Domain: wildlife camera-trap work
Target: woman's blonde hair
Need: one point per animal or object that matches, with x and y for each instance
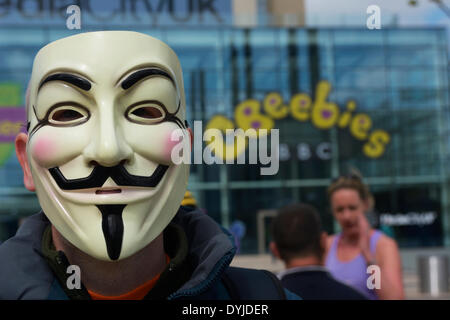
(352, 180)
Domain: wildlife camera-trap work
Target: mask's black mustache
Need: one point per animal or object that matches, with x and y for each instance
(100, 174)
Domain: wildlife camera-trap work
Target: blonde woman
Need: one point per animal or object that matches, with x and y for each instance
(358, 246)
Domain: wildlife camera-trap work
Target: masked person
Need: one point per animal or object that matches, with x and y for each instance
(106, 113)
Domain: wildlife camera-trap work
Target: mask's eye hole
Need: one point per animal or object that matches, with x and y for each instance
(68, 115)
(146, 113)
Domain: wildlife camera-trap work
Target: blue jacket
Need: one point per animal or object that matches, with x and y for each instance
(25, 274)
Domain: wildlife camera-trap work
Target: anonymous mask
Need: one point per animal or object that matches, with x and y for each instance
(102, 109)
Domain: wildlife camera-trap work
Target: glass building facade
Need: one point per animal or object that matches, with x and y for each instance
(341, 98)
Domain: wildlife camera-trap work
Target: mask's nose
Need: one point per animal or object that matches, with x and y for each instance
(108, 147)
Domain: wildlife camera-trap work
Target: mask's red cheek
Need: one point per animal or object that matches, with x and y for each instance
(173, 148)
(43, 150)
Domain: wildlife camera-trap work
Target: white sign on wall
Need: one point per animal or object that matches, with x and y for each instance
(304, 151)
(409, 218)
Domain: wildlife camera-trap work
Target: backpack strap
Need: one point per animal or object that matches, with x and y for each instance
(251, 284)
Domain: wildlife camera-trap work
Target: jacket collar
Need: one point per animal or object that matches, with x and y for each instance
(211, 249)
(202, 251)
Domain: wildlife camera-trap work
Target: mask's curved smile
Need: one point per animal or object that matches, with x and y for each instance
(108, 185)
(112, 223)
(100, 174)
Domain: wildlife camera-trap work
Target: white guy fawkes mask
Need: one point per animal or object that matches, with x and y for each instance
(102, 108)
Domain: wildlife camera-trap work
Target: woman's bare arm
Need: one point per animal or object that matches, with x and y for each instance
(389, 260)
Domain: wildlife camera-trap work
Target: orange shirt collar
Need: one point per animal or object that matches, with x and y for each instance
(136, 294)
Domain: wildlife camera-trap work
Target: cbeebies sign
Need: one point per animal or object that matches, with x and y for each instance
(323, 114)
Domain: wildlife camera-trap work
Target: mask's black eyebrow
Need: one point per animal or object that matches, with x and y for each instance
(73, 79)
(143, 73)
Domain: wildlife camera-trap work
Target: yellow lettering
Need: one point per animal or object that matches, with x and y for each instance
(222, 149)
(324, 114)
(247, 116)
(220, 122)
(360, 126)
(274, 107)
(5, 128)
(9, 128)
(300, 106)
(345, 118)
(376, 144)
(16, 126)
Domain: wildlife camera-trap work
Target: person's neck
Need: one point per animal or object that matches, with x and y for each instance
(112, 278)
(303, 262)
(351, 239)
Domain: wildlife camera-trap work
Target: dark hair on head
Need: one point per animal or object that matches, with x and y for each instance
(296, 231)
(354, 181)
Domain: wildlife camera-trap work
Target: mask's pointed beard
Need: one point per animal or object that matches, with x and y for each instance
(112, 226)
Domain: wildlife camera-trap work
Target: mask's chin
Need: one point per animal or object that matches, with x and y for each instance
(112, 226)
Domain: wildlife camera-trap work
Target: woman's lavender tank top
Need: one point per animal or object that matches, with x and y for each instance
(352, 272)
